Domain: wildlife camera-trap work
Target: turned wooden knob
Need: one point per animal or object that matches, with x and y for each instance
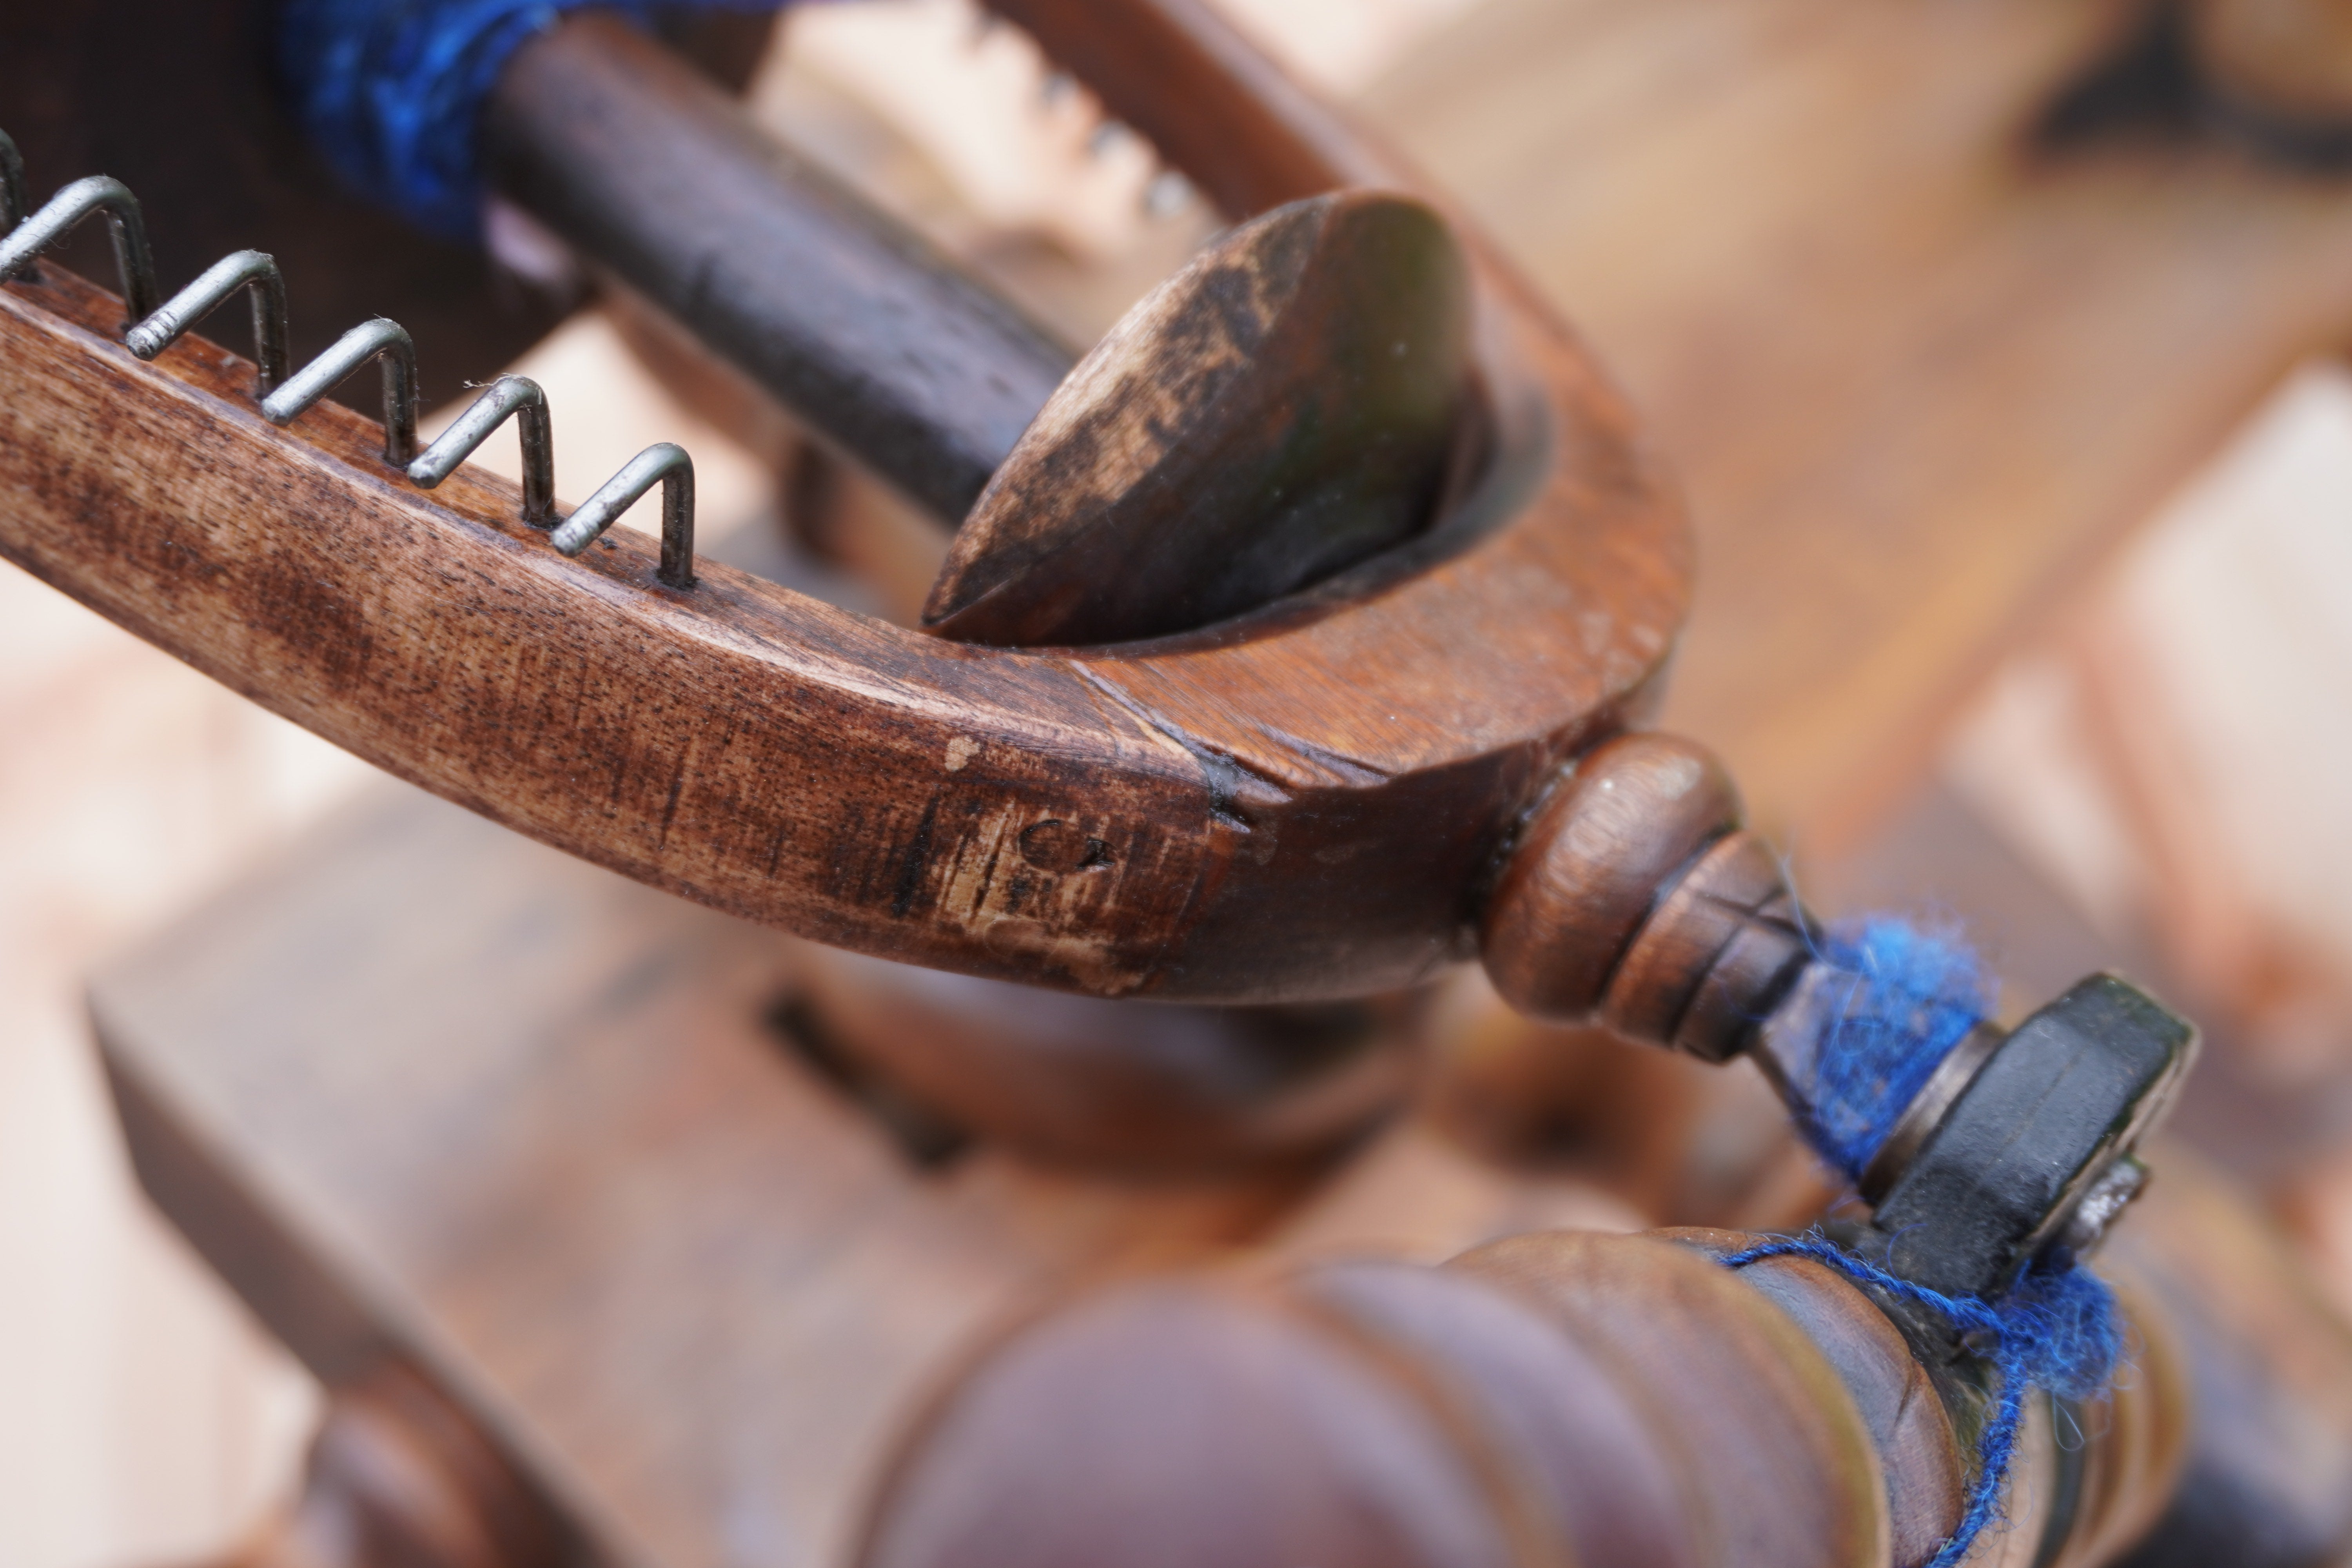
(1634, 896)
(1620, 823)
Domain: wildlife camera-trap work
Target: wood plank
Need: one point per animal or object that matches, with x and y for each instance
(1917, 373)
(431, 1091)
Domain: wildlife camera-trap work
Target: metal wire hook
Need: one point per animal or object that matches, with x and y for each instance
(96, 192)
(516, 394)
(663, 461)
(380, 339)
(243, 269)
(12, 184)
(154, 327)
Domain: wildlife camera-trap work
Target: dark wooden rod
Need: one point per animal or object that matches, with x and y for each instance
(877, 341)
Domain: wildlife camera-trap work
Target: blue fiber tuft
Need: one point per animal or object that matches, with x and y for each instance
(1910, 996)
(391, 91)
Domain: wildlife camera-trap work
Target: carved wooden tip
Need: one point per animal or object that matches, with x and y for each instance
(1714, 956)
(1290, 403)
(1592, 862)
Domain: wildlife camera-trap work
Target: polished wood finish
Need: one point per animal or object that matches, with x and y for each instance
(1287, 404)
(1774, 1463)
(430, 1095)
(1318, 1444)
(1601, 1400)
(1586, 869)
(1722, 946)
(1928, 1470)
(1296, 806)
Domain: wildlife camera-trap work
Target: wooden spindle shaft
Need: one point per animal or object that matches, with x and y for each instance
(1620, 1400)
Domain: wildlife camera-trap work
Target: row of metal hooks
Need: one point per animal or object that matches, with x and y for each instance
(154, 327)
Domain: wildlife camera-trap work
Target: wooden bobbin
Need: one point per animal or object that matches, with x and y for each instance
(1570, 1397)
(1605, 1401)
(1774, 1458)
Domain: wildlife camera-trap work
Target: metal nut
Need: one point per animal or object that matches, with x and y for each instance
(2033, 1153)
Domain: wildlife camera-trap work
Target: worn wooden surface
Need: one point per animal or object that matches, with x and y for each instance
(431, 1093)
(1288, 404)
(1298, 805)
(1375, 1414)
(1915, 372)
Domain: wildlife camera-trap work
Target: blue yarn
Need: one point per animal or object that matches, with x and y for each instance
(391, 91)
(1910, 997)
(1900, 1000)
(2055, 1330)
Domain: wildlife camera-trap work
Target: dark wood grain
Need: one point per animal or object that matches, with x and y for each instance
(181, 104)
(871, 336)
(1586, 869)
(1290, 403)
(1298, 806)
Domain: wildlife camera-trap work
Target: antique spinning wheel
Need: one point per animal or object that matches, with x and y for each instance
(1291, 649)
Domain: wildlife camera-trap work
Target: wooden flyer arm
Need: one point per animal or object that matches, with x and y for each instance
(1304, 802)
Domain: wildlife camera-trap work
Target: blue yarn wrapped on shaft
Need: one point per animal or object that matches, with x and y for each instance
(1897, 1000)
(1908, 996)
(391, 91)
(2054, 1331)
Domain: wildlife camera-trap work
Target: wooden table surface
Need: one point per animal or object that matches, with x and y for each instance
(1918, 372)
(435, 1091)
(428, 1092)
